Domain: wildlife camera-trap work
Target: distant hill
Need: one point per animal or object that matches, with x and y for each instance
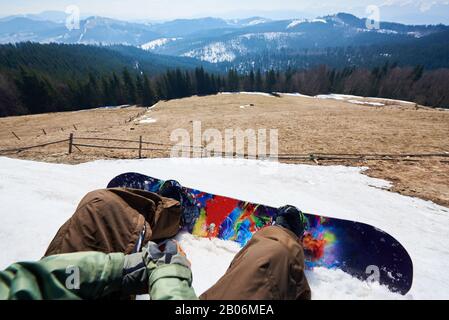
(242, 43)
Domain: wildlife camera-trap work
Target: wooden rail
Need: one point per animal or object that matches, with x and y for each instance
(140, 147)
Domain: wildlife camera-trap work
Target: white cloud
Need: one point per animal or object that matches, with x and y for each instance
(426, 6)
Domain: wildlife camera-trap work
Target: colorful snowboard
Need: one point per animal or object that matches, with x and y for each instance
(356, 248)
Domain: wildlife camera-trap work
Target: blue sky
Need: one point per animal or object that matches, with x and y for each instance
(421, 11)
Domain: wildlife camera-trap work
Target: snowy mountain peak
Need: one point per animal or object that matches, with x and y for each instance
(295, 23)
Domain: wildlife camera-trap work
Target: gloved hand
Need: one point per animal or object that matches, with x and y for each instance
(171, 252)
(139, 266)
(135, 275)
(170, 273)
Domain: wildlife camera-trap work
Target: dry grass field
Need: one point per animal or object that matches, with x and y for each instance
(305, 125)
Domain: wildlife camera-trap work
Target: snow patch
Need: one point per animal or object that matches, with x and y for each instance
(147, 120)
(249, 93)
(392, 100)
(415, 34)
(350, 98)
(376, 104)
(386, 31)
(294, 23)
(326, 286)
(271, 36)
(332, 96)
(157, 43)
(318, 21)
(214, 53)
(294, 95)
(256, 22)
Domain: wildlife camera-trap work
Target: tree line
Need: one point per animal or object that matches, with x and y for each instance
(28, 91)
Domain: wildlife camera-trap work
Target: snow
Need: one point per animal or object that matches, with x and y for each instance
(256, 22)
(37, 198)
(157, 43)
(214, 53)
(333, 96)
(295, 95)
(271, 36)
(376, 104)
(229, 50)
(386, 31)
(147, 120)
(250, 93)
(318, 21)
(347, 97)
(392, 100)
(415, 34)
(123, 106)
(294, 23)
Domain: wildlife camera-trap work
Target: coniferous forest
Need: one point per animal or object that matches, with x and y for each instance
(39, 78)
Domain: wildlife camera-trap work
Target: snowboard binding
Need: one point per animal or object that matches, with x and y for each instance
(190, 212)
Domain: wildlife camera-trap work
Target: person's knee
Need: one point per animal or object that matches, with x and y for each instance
(94, 204)
(96, 195)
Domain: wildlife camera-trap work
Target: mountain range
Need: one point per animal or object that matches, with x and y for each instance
(237, 43)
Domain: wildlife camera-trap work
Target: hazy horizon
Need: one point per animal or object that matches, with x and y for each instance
(403, 11)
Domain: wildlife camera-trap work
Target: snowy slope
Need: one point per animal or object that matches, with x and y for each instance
(36, 198)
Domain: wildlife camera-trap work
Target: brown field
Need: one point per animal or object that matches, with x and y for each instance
(305, 125)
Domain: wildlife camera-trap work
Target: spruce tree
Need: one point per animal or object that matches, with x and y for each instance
(148, 96)
(130, 87)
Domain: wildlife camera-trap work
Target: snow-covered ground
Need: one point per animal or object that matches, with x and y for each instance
(37, 198)
(332, 96)
(157, 43)
(250, 93)
(146, 120)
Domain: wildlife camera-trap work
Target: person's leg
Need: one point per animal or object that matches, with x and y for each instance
(113, 220)
(269, 267)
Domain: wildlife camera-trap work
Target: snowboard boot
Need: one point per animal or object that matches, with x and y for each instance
(292, 219)
(190, 212)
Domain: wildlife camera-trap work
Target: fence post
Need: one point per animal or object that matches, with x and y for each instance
(140, 147)
(70, 143)
(15, 135)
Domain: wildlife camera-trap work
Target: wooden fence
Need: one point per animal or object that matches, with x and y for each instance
(141, 145)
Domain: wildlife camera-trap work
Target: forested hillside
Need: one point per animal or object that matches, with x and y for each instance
(431, 52)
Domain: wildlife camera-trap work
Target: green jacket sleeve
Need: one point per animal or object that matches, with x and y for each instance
(84, 275)
(171, 282)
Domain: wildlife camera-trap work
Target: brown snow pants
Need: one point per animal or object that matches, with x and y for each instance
(112, 220)
(270, 266)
